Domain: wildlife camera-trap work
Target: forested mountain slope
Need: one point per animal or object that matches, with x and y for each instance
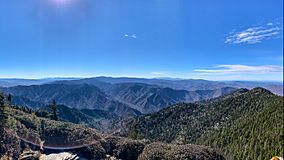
(150, 98)
(122, 99)
(24, 135)
(245, 124)
(82, 96)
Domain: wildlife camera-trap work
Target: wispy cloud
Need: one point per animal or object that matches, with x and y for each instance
(241, 70)
(158, 73)
(130, 36)
(256, 34)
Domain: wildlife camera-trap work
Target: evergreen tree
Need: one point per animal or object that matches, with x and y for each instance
(54, 110)
(42, 128)
(9, 98)
(3, 116)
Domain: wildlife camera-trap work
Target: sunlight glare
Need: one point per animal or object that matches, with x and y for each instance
(62, 2)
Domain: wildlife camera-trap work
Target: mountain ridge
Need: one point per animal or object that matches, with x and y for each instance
(75, 96)
(122, 98)
(180, 84)
(233, 119)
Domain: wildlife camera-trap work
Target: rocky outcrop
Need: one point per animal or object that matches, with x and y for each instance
(36, 155)
(123, 148)
(176, 152)
(60, 156)
(30, 155)
(94, 151)
(126, 149)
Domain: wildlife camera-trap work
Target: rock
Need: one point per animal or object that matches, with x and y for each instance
(30, 155)
(129, 150)
(60, 156)
(276, 158)
(94, 152)
(157, 151)
(6, 157)
(36, 155)
(123, 148)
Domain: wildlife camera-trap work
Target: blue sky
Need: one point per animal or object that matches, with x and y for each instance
(216, 40)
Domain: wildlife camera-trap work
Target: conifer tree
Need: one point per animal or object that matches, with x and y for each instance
(3, 116)
(9, 98)
(54, 110)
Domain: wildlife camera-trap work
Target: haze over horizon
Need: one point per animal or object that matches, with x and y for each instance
(223, 40)
(158, 78)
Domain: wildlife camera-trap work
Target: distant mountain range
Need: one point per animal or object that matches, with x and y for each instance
(148, 98)
(121, 96)
(243, 125)
(74, 96)
(122, 99)
(11, 82)
(179, 84)
(238, 122)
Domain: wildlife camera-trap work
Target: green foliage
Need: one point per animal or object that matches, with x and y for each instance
(42, 113)
(134, 134)
(12, 123)
(27, 122)
(9, 98)
(29, 126)
(246, 125)
(89, 117)
(42, 128)
(256, 135)
(35, 120)
(54, 110)
(3, 114)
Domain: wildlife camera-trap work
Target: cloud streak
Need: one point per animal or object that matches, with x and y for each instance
(241, 70)
(256, 34)
(130, 36)
(158, 73)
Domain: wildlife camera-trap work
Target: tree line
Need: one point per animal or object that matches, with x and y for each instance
(6, 101)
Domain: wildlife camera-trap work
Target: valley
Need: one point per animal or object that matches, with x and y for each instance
(135, 120)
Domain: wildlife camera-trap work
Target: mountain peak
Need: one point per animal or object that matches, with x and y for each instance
(260, 90)
(241, 90)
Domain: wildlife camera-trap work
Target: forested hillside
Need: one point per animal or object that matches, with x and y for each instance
(125, 99)
(245, 124)
(24, 135)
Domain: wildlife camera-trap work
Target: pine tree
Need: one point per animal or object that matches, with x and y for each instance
(9, 99)
(3, 116)
(42, 128)
(54, 110)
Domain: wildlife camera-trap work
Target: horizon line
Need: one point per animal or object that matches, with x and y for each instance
(138, 77)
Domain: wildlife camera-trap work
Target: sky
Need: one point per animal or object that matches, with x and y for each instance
(204, 39)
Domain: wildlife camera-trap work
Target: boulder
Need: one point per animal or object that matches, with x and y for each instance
(123, 148)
